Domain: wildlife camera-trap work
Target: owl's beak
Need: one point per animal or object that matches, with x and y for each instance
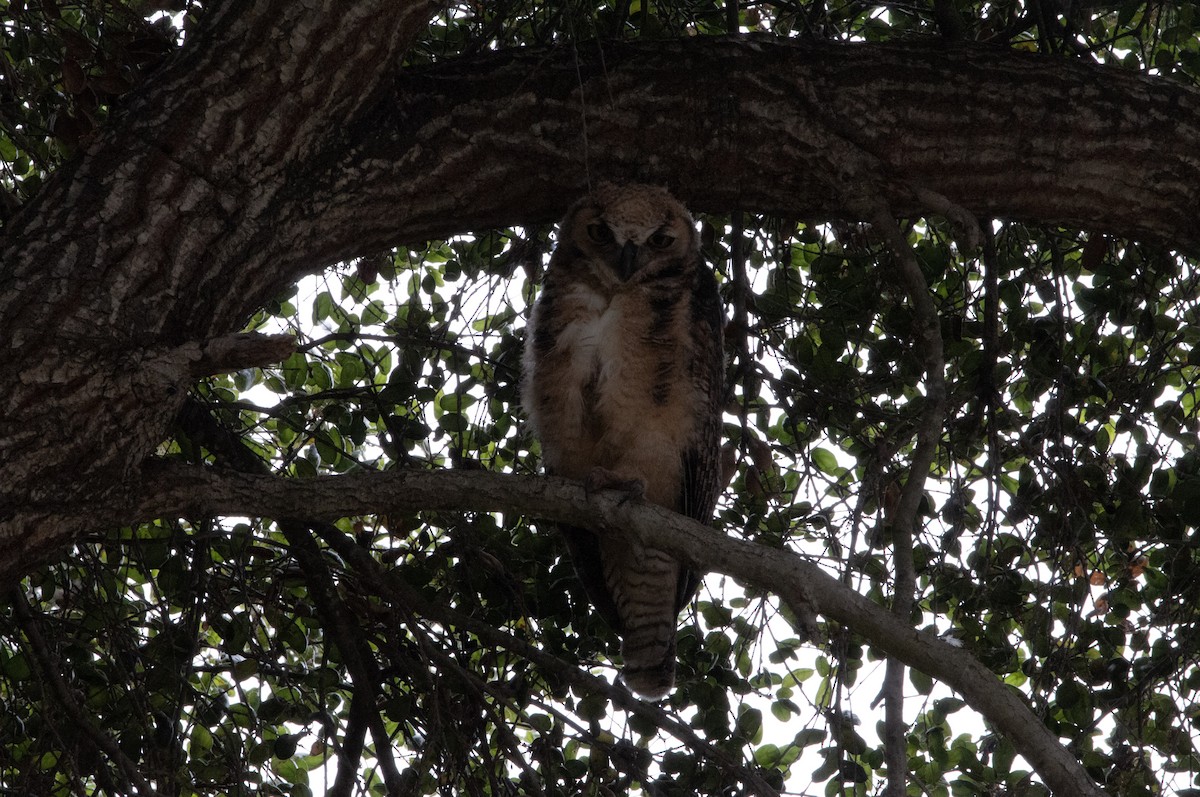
(628, 260)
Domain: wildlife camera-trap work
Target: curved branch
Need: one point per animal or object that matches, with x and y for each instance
(170, 490)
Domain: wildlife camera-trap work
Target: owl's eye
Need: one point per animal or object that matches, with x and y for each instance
(599, 233)
(660, 240)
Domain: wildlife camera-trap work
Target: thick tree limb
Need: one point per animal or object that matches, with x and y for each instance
(172, 490)
(799, 129)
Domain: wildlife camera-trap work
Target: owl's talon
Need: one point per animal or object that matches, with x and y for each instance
(603, 479)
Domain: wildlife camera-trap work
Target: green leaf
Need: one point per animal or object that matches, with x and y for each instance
(810, 736)
(767, 755)
(920, 681)
(323, 307)
(16, 667)
(783, 710)
(825, 461)
(749, 724)
(200, 742)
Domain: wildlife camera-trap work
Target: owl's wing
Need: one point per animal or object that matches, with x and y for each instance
(702, 458)
(698, 485)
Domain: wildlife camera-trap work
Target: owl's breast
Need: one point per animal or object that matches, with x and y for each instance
(584, 339)
(620, 374)
(613, 350)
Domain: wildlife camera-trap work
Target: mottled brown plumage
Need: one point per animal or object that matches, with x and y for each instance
(624, 374)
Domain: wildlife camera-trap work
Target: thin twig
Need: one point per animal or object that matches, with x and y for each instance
(342, 625)
(51, 671)
(987, 394)
(904, 519)
(478, 687)
(740, 329)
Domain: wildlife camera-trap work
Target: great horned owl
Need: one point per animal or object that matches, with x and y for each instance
(624, 376)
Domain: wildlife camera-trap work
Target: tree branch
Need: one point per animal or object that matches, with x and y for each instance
(338, 621)
(905, 518)
(347, 634)
(172, 490)
(994, 132)
(238, 351)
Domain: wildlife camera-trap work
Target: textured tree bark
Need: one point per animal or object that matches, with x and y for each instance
(799, 129)
(116, 278)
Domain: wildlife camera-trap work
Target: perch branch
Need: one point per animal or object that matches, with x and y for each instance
(173, 490)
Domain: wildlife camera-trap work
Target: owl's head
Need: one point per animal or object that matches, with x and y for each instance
(632, 230)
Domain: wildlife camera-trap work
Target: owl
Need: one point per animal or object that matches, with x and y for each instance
(623, 384)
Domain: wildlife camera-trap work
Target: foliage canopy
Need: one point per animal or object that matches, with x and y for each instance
(454, 652)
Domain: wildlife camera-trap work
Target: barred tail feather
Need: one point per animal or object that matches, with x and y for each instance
(650, 679)
(644, 583)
